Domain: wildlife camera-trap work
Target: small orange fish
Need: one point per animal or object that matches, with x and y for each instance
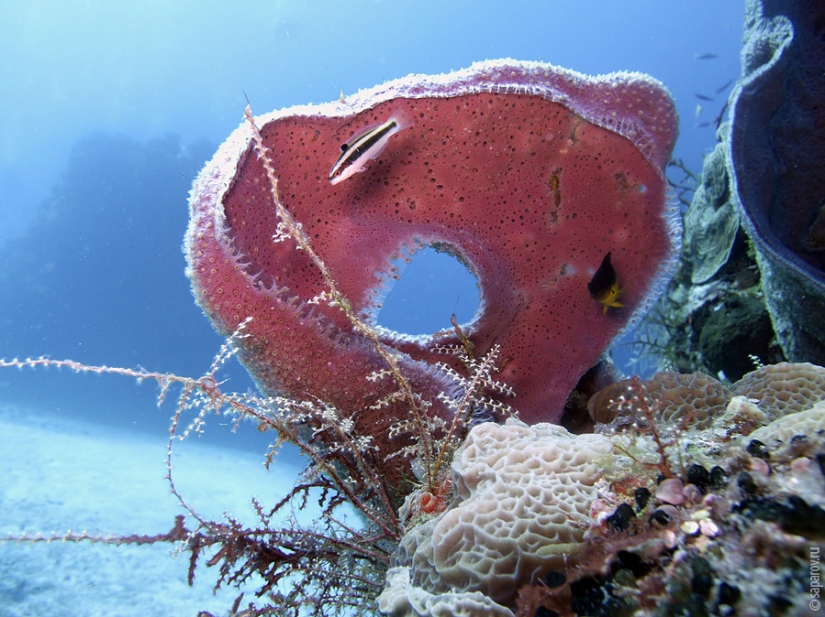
(367, 145)
(604, 286)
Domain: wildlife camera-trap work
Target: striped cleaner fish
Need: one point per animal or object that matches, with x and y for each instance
(367, 145)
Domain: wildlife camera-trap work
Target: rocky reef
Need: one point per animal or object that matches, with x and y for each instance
(692, 499)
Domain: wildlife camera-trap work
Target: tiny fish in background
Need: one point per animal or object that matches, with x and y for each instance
(718, 120)
(367, 145)
(703, 97)
(721, 89)
(706, 56)
(604, 286)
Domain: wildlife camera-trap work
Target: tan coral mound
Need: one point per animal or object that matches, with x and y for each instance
(523, 505)
(697, 399)
(784, 388)
(786, 427)
(668, 395)
(701, 393)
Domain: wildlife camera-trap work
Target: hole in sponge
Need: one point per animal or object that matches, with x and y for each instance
(432, 287)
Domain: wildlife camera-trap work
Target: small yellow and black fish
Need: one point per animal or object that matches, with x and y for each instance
(367, 145)
(604, 286)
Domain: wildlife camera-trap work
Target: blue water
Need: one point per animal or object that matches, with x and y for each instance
(108, 111)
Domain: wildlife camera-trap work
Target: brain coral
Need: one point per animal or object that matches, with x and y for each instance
(784, 388)
(698, 399)
(527, 495)
(523, 504)
(670, 395)
(402, 599)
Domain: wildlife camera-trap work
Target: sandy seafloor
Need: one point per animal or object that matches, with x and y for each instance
(57, 475)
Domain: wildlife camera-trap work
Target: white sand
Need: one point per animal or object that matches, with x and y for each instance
(56, 476)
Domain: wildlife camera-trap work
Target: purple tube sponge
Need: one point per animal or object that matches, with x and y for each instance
(776, 160)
